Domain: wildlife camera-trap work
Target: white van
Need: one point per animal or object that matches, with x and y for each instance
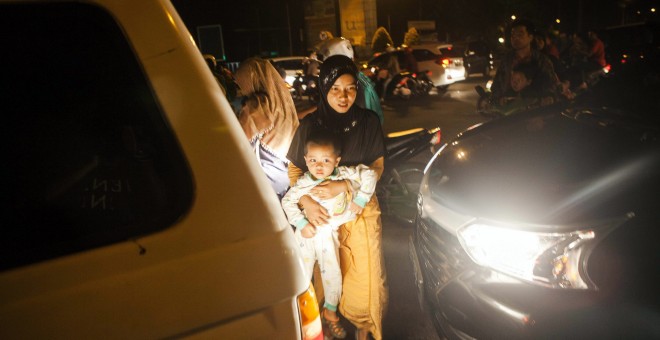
(133, 206)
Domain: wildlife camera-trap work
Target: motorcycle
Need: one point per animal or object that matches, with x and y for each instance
(404, 85)
(399, 185)
(424, 83)
(306, 85)
(490, 110)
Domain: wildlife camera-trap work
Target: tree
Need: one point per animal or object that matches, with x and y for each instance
(381, 40)
(411, 37)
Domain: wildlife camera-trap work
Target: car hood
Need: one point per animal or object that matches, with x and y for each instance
(554, 165)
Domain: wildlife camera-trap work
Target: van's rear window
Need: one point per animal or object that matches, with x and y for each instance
(89, 159)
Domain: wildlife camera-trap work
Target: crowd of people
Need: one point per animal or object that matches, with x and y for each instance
(324, 163)
(536, 72)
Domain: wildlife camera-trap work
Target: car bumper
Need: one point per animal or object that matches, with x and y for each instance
(467, 301)
(450, 76)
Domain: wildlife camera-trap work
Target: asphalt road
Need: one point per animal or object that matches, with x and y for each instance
(453, 111)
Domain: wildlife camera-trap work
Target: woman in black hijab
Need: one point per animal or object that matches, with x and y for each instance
(364, 297)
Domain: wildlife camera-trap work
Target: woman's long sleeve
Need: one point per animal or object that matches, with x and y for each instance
(294, 173)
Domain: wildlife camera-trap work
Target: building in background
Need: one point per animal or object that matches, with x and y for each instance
(354, 20)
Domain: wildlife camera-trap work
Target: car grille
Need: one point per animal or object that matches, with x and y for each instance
(440, 254)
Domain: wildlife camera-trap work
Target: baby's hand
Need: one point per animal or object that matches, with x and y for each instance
(354, 208)
(308, 231)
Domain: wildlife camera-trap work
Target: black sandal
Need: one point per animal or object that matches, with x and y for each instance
(335, 327)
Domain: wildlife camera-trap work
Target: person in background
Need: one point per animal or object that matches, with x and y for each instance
(596, 54)
(544, 44)
(225, 79)
(575, 60)
(213, 66)
(545, 80)
(523, 94)
(391, 69)
(549, 46)
(409, 61)
(320, 243)
(268, 118)
(364, 297)
(312, 64)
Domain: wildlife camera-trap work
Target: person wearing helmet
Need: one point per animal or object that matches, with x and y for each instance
(213, 66)
(367, 96)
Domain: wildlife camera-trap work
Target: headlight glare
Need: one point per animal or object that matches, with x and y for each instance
(549, 259)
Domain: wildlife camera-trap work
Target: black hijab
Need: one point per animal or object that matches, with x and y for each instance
(331, 69)
(359, 129)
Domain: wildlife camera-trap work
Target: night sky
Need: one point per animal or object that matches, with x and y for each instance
(275, 27)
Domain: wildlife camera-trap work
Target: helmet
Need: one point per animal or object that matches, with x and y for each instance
(334, 46)
(210, 60)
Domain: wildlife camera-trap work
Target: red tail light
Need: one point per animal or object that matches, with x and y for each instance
(444, 62)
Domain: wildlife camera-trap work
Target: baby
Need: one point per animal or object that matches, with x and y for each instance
(320, 242)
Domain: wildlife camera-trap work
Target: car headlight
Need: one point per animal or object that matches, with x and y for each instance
(549, 259)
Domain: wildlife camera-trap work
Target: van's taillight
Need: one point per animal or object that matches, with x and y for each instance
(310, 315)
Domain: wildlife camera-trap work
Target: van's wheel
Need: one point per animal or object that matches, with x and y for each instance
(442, 89)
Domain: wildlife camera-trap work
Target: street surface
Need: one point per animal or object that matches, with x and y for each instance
(453, 111)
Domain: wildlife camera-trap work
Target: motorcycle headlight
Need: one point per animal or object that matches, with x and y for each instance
(550, 259)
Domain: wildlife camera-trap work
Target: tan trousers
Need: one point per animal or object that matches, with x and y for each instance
(365, 295)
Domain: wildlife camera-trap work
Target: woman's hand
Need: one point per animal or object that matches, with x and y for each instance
(316, 214)
(329, 189)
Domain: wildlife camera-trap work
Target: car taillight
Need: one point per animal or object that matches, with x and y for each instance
(444, 62)
(310, 315)
(437, 135)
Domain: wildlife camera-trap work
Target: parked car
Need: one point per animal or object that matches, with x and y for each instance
(133, 205)
(477, 57)
(291, 66)
(442, 71)
(544, 224)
